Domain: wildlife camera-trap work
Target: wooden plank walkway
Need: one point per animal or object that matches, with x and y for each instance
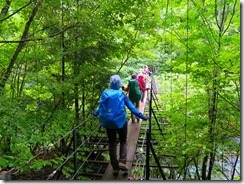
(132, 138)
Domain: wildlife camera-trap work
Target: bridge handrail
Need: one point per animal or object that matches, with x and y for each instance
(83, 142)
(15, 171)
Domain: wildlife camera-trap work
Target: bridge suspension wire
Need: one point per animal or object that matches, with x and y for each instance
(86, 159)
(69, 132)
(46, 149)
(140, 157)
(143, 145)
(141, 154)
(67, 159)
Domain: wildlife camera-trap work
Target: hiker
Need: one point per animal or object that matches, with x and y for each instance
(134, 94)
(148, 70)
(112, 115)
(142, 85)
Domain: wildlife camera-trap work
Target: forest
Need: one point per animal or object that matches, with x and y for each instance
(57, 56)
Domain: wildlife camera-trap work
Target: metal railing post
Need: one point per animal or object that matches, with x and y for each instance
(147, 156)
(75, 158)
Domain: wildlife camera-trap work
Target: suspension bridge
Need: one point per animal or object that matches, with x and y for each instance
(142, 159)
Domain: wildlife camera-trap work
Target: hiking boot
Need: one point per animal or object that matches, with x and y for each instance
(123, 167)
(115, 172)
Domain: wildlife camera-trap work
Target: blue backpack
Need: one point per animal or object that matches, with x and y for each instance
(112, 112)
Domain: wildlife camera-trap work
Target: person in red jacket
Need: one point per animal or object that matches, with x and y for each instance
(142, 85)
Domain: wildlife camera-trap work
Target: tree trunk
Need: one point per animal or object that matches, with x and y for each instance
(63, 105)
(76, 73)
(234, 167)
(83, 99)
(204, 167)
(76, 85)
(6, 75)
(196, 166)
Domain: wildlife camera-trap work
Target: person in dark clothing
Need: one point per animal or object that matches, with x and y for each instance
(115, 122)
(134, 93)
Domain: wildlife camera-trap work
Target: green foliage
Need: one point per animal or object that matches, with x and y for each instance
(73, 47)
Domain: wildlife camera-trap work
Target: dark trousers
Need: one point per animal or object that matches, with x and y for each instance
(142, 95)
(137, 105)
(122, 132)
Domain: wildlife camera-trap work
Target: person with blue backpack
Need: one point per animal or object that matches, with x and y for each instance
(112, 116)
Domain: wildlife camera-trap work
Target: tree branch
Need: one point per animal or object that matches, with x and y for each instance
(216, 14)
(37, 39)
(234, 167)
(16, 12)
(19, 41)
(6, 8)
(204, 20)
(233, 13)
(128, 55)
(229, 102)
(19, 48)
